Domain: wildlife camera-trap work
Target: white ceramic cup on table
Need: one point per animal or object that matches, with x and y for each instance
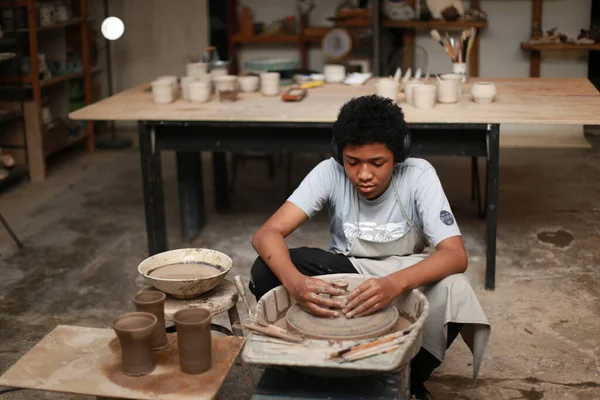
(249, 83)
(185, 86)
(269, 83)
(456, 77)
(162, 92)
(198, 69)
(199, 91)
(386, 87)
(173, 79)
(447, 91)
(334, 73)
(409, 90)
(424, 96)
(483, 92)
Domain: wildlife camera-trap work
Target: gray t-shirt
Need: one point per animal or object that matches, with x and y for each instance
(380, 220)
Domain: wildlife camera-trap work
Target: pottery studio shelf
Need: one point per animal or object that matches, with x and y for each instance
(559, 46)
(435, 24)
(51, 81)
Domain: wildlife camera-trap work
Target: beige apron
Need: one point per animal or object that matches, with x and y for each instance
(450, 300)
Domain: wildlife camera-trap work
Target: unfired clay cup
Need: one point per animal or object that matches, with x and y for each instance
(457, 77)
(194, 339)
(198, 69)
(153, 302)
(424, 96)
(483, 92)
(135, 331)
(174, 82)
(185, 86)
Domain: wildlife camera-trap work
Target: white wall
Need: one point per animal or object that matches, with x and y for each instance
(159, 37)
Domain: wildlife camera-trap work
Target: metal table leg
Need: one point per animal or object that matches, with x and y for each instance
(221, 181)
(191, 193)
(154, 202)
(10, 231)
(493, 160)
(234, 319)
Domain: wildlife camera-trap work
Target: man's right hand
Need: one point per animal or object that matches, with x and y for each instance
(307, 291)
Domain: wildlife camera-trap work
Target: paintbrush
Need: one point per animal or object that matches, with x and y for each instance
(380, 349)
(370, 343)
(437, 37)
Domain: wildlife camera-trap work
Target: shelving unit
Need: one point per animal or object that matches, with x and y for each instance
(12, 126)
(44, 141)
(535, 48)
(407, 29)
(411, 27)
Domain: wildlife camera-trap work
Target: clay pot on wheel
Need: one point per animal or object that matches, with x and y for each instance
(134, 331)
(194, 339)
(153, 302)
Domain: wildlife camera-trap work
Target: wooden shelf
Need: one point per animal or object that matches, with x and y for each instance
(9, 116)
(69, 141)
(8, 42)
(18, 3)
(48, 82)
(70, 22)
(435, 24)
(558, 46)
(266, 39)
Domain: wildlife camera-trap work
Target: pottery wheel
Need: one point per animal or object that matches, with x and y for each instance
(342, 328)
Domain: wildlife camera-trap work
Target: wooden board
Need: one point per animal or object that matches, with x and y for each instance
(87, 361)
(519, 101)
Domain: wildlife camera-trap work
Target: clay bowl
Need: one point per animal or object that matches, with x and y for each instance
(185, 273)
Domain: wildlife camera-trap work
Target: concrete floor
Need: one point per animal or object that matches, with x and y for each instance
(84, 235)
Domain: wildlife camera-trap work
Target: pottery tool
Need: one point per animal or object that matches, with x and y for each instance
(373, 343)
(310, 85)
(398, 74)
(418, 74)
(380, 349)
(406, 77)
(262, 326)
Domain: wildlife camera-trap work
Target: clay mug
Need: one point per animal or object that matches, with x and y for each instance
(194, 339)
(249, 83)
(197, 70)
(135, 331)
(456, 77)
(185, 86)
(153, 302)
(424, 96)
(174, 80)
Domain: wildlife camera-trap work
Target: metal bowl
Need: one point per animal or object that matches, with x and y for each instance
(186, 288)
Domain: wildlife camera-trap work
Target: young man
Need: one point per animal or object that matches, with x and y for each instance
(384, 209)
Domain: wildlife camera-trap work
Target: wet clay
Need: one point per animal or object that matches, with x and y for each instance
(194, 339)
(342, 328)
(134, 331)
(185, 271)
(153, 302)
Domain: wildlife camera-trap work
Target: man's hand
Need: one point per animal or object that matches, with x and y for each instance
(307, 292)
(371, 296)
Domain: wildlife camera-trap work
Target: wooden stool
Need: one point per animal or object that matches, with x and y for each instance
(285, 384)
(222, 298)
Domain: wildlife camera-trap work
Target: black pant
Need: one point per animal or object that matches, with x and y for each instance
(311, 262)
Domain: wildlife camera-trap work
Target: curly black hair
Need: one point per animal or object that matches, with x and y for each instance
(372, 119)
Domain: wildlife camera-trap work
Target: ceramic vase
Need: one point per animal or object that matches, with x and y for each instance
(153, 302)
(135, 331)
(194, 339)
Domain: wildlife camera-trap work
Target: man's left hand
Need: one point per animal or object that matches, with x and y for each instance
(371, 296)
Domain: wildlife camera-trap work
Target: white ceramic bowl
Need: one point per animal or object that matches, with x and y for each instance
(186, 288)
(199, 91)
(483, 92)
(225, 82)
(249, 83)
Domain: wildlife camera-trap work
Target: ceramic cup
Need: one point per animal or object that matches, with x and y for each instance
(424, 96)
(185, 85)
(198, 69)
(334, 73)
(408, 90)
(199, 91)
(483, 92)
(447, 91)
(386, 87)
(162, 92)
(249, 83)
(460, 69)
(218, 72)
(269, 83)
(153, 302)
(457, 77)
(174, 79)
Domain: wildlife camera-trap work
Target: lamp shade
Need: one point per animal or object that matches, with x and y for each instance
(112, 28)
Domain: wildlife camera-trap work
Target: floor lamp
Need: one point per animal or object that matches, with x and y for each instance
(112, 29)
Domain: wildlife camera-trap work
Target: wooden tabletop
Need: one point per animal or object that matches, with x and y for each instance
(522, 101)
(88, 361)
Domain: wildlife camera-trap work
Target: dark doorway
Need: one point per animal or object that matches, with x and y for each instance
(218, 27)
(594, 56)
